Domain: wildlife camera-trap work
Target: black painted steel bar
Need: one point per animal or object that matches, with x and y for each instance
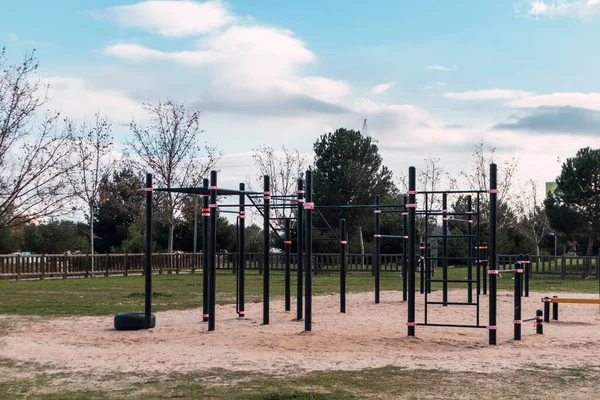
(308, 265)
(546, 309)
(451, 191)
(212, 247)
(205, 253)
(266, 247)
(527, 275)
(148, 255)
(470, 250)
(300, 249)
(492, 254)
(376, 256)
(422, 267)
(404, 255)
(454, 326)
(411, 205)
(287, 288)
(242, 255)
(343, 263)
(517, 301)
(445, 247)
(539, 322)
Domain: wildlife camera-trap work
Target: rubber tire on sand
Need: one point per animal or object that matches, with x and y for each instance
(132, 321)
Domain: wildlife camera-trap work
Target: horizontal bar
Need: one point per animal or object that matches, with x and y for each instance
(453, 325)
(451, 303)
(447, 213)
(573, 301)
(529, 319)
(362, 206)
(451, 258)
(451, 191)
(451, 236)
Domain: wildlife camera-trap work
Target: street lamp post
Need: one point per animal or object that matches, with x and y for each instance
(554, 236)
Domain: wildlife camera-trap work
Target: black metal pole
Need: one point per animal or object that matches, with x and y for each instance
(212, 246)
(445, 244)
(422, 266)
(485, 265)
(517, 300)
(266, 247)
(242, 253)
(148, 258)
(527, 273)
(470, 251)
(429, 270)
(299, 249)
(539, 322)
(308, 205)
(343, 260)
(376, 256)
(555, 309)
(205, 253)
(493, 269)
(404, 254)
(288, 243)
(411, 205)
(546, 309)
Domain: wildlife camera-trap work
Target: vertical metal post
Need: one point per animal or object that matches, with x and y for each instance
(343, 261)
(195, 247)
(404, 246)
(376, 256)
(555, 310)
(445, 244)
(148, 258)
(546, 309)
(517, 300)
(493, 269)
(242, 253)
(422, 266)
(527, 273)
(299, 248)
(212, 247)
(470, 250)
(429, 268)
(411, 205)
(288, 243)
(539, 322)
(205, 253)
(485, 265)
(308, 205)
(266, 246)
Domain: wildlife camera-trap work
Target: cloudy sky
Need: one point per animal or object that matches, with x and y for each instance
(432, 77)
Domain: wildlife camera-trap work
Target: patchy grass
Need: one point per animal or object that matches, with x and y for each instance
(104, 296)
(387, 382)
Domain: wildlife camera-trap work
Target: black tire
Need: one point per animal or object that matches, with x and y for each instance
(133, 321)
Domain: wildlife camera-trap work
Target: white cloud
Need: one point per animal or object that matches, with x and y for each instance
(382, 88)
(76, 99)
(580, 9)
(431, 86)
(561, 99)
(439, 68)
(490, 94)
(171, 18)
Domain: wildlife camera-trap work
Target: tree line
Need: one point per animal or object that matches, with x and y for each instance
(52, 167)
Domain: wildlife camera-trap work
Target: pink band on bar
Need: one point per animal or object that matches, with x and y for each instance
(242, 212)
(444, 211)
(300, 192)
(411, 324)
(470, 221)
(404, 213)
(343, 242)
(412, 192)
(309, 206)
(213, 187)
(376, 235)
(242, 216)
(444, 218)
(482, 261)
(242, 313)
(300, 200)
(492, 327)
(206, 214)
(213, 206)
(493, 272)
(422, 247)
(377, 211)
(204, 315)
(547, 300)
(267, 193)
(519, 271)
(493, 191)
(525, 262)
(517, 321)
(147, 189)
(411, 205)
(405, 237)
(267, 197)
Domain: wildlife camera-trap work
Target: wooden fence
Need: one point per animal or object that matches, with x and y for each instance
(42, 266)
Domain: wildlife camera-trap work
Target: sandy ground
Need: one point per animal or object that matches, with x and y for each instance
(368, 335)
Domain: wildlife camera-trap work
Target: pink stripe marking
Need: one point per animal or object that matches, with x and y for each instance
(412, 192)
(411, 205)
(377, 235)
(147, 189)
(493, 191)
(493, 272)
(343, 242)
(517, 321)
(213, 187)
(309, 206)
(411, 324)
(492, 327)
(213, 206)
(377, 211)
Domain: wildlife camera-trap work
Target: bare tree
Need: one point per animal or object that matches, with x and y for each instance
(34, 153)
(478, 179)
(169, 146)
(92, 145)
(284, 168)
(534, 224)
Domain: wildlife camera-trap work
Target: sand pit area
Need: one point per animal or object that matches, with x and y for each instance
(368, 335)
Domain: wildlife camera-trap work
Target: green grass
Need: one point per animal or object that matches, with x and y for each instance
(104, 296)
(388, 382)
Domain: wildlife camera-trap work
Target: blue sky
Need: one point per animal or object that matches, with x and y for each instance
(431, 77)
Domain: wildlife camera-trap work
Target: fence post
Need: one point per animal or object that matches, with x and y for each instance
(126, 269)
(65, 264)
(107, 273)
(563, 267)
(42, 266)
(18, 264)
